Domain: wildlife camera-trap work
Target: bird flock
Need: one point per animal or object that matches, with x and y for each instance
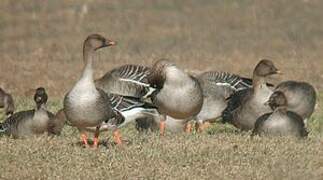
(165, 97)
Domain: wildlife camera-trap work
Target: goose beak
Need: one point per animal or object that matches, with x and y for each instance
(278, 72)
(110, 43)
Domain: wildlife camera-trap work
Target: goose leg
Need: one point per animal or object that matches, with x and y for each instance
(96, 137)
(117, 136)
(188, 127)
(162, 125)
(84, 139)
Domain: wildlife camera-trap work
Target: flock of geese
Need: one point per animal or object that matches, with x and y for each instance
(167, 96)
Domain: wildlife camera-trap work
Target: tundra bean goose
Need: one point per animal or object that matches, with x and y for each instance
(86, 106)
(6, 102)
(301, 97)
(245, 106)
(178, 94)
(31, 122)
(280, 122)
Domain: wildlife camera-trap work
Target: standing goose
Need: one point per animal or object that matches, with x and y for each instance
(217, 87)
(32, 122)
(245, 106)
(86, 106)
(280, 122)
(178, 94)
(6, 102)
(301, 97)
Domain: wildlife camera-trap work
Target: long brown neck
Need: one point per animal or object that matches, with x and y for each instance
(88, 53)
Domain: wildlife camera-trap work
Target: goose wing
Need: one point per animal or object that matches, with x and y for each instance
(232, 81)
(234, 102)
(128, 80)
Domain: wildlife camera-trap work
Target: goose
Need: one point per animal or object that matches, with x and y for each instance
(86, 106)
(217, 87)
(301, 97)
(281, 121)
(31, 122)
(178, 94)
(245, 106)
(6, 102)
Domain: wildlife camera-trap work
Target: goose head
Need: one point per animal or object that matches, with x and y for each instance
(97, 41)
(9, 105)
(277, 100)
(265, 68)
(40, 97)
(7, 102)
(157, 77)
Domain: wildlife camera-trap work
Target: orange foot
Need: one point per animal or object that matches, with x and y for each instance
(117, 137)
(84, 139)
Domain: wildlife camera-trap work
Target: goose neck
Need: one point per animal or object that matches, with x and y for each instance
(88, 61)
(258, 81)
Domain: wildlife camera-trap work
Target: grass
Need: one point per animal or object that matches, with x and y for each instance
(219, 153)
(41, 46)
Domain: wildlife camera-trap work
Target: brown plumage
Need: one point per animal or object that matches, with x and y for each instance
(6, 102)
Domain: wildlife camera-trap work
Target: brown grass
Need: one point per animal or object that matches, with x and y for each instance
(41, 45)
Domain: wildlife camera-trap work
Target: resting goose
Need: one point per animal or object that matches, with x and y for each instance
(178, 94)
(31, 122)
(86, 106)
(6, 102)
(217, 87)
(245, 106)
(280, 122)
(301, 97)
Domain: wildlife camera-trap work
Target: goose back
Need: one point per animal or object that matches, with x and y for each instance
(301, 97)
(280, 123)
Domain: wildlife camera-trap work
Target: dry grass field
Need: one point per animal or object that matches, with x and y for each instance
(41, 43)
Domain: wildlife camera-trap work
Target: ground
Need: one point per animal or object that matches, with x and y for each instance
(41, 45)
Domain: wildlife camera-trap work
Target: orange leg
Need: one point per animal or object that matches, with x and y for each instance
(162, 125)
(117, 136)
(188, 127)
(96, 137)
(201, 126)
(84, 139)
